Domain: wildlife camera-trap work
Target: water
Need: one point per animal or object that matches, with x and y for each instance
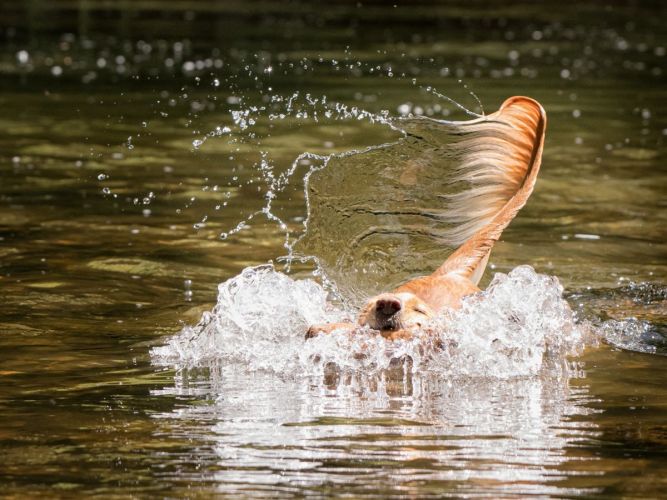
(512, 329)
(152, 162)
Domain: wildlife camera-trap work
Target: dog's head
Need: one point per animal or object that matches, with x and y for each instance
(395, 311)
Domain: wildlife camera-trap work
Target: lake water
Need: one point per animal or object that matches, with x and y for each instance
(157, 157)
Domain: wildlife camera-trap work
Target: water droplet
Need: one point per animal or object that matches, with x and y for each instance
(404, 109)
(22, 56)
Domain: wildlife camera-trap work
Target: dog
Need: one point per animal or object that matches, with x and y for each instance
(500, 156)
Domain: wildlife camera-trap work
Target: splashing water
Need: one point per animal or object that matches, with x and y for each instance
(638, 312)
(635, 335)
(519, 326)
(516, 328)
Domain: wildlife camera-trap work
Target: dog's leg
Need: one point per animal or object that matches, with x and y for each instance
(397, 334)
(329, 328)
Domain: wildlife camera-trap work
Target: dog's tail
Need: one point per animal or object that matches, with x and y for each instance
(500, 157)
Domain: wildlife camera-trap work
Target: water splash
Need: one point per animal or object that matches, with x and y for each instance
(514, 352)
(520, 326)
(632, 317)
(635, 335)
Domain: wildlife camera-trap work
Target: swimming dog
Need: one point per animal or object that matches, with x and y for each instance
(500, 157)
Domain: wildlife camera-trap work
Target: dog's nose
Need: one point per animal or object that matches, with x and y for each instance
(388, 306)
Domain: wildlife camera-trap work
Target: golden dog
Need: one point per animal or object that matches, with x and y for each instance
(500, 158)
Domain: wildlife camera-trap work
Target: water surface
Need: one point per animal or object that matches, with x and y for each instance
(135, 138)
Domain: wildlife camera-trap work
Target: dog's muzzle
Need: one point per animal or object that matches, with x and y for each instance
(388, 313)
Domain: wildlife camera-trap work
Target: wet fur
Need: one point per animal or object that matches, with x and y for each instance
(500, 156)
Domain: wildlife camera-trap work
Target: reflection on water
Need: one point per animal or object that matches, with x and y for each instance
(136, 134)
(432, 434)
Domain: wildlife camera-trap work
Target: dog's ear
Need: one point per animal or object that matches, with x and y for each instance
(500, 158)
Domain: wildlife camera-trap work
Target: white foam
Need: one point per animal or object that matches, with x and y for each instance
(516, 328)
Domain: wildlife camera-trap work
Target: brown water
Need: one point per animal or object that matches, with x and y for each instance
(110, 223)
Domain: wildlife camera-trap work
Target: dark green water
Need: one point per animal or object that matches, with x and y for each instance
(110, 223)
